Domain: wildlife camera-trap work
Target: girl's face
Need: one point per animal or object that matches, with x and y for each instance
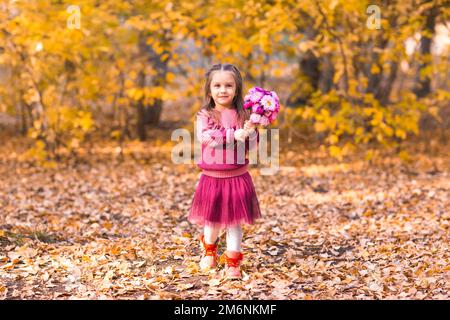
(223, 89)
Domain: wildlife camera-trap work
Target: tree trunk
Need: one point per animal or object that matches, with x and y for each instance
(308, 69)
(140, 122)
(309, 64)
(422, 85)
(374, 78)
(140, 109)
(386, 85)
(23, 117)
(326, 74)
(153, 113)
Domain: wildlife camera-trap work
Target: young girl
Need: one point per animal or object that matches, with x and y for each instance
(225, 196)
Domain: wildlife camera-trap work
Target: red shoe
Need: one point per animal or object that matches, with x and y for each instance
(209, 260)
(232, 270)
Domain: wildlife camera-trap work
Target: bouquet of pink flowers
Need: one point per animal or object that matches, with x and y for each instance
(265, 106)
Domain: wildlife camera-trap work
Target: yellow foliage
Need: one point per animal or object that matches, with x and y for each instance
(404, 156)
(375, 69)
(104, 62)
(335, 152)
(400, 133)
(320, 126)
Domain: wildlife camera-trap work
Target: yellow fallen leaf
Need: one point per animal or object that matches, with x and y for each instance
(115, 250)
(214, 282)
(280, 284)
(185, 286)
(45, 276)
(375, 287)
(8, 266)
(346, 280)
(222, 259)
(412, 291)
(192, 267)
(168, 270)
(365, 254)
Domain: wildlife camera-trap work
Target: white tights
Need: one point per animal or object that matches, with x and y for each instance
(234, 236)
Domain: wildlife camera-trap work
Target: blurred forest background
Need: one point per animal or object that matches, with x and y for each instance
(350, 74)
(93, 207)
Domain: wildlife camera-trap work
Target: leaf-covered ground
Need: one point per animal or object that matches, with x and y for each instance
(111, 229)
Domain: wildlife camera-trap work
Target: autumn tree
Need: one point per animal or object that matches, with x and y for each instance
(341, 68)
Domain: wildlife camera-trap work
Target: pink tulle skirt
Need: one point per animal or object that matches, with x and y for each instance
(223, 202)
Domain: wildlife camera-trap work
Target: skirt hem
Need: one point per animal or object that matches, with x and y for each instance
(222, 225)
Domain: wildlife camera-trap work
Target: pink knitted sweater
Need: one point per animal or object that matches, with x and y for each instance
(219, 145)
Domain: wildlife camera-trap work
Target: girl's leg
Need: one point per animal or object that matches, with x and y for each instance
(234, 238)
(234, 255)
(211, 234)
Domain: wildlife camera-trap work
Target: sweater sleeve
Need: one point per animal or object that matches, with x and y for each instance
(210, 134)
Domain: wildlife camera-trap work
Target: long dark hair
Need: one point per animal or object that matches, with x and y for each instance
(238, 100)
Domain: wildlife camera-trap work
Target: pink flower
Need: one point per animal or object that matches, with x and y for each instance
(248, 104)
(273, 116)
(268, 102)
(256, 96)
(255, 118)
(260, 110)
(256, 108)
(253, 90)
(264, 121)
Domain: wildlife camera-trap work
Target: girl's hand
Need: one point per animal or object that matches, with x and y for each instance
(248, 125)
